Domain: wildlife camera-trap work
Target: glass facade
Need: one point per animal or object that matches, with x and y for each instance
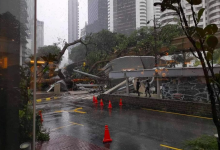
(16, 39)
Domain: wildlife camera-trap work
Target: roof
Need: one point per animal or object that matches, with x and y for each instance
(165, 72)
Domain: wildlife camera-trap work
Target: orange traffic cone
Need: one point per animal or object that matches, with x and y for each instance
(110, 105)
(107, 135)
(96, 101)
(101, 103)
(41, 117)
(120, 103)
(93, 99)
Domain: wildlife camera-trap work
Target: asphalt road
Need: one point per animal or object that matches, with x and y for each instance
(131, 128)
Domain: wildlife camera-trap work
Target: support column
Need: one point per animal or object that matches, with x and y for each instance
(127, 86)
(158, 88)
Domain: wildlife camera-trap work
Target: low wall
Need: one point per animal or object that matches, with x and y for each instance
(184, 107)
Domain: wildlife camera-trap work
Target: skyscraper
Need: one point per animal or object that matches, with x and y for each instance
(125, 16)
(73, 21)
(211, 14)
(40, 34)
(97, 16)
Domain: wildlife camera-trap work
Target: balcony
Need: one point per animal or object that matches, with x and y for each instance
(214, 17)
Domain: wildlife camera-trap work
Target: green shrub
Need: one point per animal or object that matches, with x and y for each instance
(26, 113)
(26, 127)
(43, 136)
(204, 142)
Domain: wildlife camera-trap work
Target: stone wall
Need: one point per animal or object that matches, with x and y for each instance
(185, 89)
(184, 107)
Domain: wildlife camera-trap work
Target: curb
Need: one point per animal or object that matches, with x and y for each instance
(46, 99)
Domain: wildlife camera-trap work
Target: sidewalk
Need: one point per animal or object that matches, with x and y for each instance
(67, 143)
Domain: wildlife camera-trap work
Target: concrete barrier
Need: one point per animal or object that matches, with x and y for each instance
(184, 107)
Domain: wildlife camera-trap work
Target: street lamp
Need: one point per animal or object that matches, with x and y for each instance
(155, 55)
(35, 75)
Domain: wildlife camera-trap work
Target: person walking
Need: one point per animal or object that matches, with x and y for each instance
(138, 84)
(147, 88)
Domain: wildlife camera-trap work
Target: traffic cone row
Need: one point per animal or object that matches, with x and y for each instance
(95, 101)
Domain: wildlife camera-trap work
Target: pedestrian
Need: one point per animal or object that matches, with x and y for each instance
(147, 88)
(138, 86)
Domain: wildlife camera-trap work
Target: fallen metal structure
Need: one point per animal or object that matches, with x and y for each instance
(87, 74)
(63, 86)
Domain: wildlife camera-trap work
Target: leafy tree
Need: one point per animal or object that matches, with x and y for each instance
(100, 48)
(149, 40)
(49, 53)
(197, 62)
(78, 53)
(204, 44)
(216, 56)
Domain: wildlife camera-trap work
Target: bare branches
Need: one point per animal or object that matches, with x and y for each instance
(66, 46)
(191, 50)
(193, 14)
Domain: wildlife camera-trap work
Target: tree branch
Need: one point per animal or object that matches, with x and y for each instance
(98, 62)
(193, 14)
(66, 46)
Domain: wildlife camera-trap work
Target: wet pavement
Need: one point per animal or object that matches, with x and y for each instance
(131, 128)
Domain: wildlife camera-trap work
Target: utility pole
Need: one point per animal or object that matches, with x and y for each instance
(157, 89)
(35, 74)
(155, 40)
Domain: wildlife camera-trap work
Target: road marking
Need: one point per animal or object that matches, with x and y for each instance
(76, 110)
(59, 111)
(177, 113)
(72, 123)
(169, 147)
(39, 100)
(77, 123)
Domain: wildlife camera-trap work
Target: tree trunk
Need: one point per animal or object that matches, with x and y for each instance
(211, 96)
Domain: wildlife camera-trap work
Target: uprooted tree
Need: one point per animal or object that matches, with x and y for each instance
(204, 43)
(104, 46)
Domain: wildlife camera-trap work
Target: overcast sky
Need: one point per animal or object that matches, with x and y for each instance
(54, 14)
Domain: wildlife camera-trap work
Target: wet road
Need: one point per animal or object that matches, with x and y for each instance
(131, 128)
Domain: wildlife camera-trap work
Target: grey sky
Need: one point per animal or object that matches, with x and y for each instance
(54, 14)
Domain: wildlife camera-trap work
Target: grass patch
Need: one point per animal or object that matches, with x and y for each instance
(204, 142)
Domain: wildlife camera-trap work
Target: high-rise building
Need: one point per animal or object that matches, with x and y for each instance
(211, 14)
(153, 11)
(40, 34)
(125, 16)
(73, 21)
(83, 31)
(97, 16)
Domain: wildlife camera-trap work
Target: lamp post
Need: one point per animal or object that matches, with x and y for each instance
(155, 55)
(35, 73)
